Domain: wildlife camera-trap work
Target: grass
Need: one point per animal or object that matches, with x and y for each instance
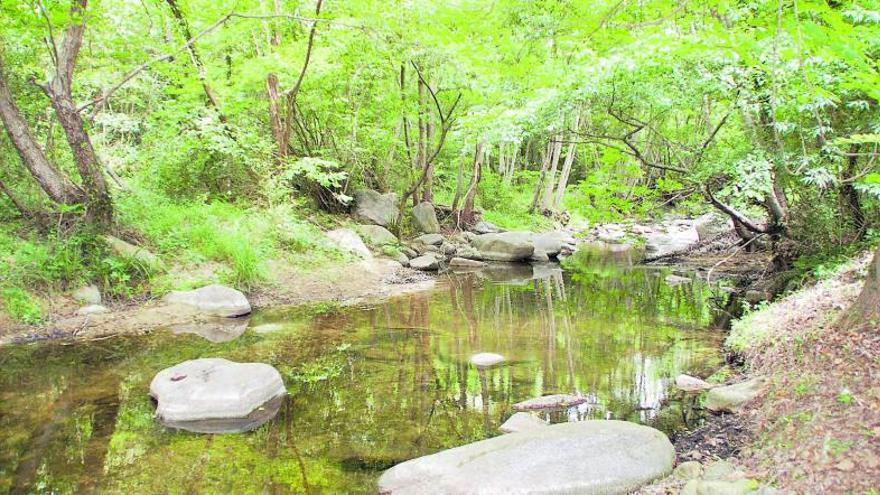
(201, 242)
(240, 239)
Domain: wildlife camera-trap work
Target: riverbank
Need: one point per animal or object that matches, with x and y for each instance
(815, 425)
(344, 282)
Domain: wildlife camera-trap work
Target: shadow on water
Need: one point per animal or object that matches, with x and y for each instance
(369, 386)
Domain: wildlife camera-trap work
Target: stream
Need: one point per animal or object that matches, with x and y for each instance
(369, 385)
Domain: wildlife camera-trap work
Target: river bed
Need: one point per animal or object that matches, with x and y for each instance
(369, 385)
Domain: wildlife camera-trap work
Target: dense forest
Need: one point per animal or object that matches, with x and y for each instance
(160, 151)
(161, 121)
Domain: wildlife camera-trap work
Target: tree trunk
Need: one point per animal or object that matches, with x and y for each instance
(551, 176)
(194, 57)
(466, 217)
(864, 314)
(57, 186)
(545, 163)
(850, 196)
(566, 167)
(278, 133)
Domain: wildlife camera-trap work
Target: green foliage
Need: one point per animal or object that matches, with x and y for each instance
(21, 305)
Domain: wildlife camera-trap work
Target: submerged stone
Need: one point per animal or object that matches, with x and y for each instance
(587, 457)
(466, 264)
(214, 395)
(215, 330)
(214, 300)
(555, 401)
(486, 359)
(522, 421)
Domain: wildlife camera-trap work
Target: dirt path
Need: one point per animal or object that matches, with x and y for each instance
(349, 282)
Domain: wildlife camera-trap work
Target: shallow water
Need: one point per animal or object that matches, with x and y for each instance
(369, 386)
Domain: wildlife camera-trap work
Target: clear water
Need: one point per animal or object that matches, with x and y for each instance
(369, 386)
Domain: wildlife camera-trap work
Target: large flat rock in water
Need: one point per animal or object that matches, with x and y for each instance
(214, 395)
(589, 457)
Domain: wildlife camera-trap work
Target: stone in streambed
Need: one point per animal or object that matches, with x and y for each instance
(466, 264)
(377, 235)
(426, 263)
(213, 300)
(505, 246)
(555, 401)
(486, 228)
(430, 239)
(425, 218)
(215, 395)
(486, 359)
(689, 383)
(587, 457)
(213, 329)
(732, 398)
(522, 421)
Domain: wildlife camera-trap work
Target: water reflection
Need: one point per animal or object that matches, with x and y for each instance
(369, 386)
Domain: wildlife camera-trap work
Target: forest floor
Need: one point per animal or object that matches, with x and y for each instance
(816, 426)
(346, 282)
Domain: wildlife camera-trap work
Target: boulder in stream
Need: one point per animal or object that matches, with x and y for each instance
(504, 246)
(587, 457)
(430, 239)
(427, 263)
(555, 401)
(212, 300)
(687, 383)
(215, 395)
(466, 264)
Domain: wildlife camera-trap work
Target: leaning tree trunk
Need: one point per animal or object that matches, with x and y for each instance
(466, 215)
(864, 314)
(57, 186)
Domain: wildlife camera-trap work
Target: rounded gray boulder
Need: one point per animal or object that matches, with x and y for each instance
(213, 300)
(214, 395)
(589, 457)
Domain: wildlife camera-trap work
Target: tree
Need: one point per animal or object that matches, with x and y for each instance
(93, 194)
(864, 313)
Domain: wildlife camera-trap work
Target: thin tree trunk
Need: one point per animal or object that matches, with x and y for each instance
(194, 57)
(566, 167)
(545, 163)
(466, 217)
(278, 133)
(551, 176)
